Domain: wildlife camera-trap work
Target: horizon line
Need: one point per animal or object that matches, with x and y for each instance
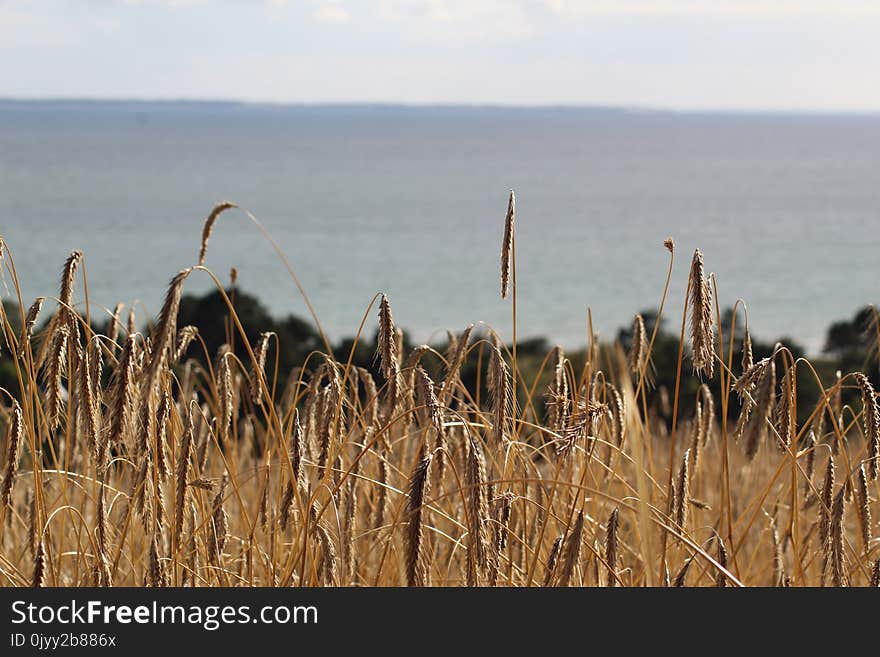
(416, 105)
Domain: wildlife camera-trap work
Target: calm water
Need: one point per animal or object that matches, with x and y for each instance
(412, 202)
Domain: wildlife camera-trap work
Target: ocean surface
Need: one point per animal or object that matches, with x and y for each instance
(411, 201)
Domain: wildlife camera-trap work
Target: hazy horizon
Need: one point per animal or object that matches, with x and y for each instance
(379, 104)
(682, 55)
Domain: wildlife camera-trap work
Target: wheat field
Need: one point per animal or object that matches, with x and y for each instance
(127, 464)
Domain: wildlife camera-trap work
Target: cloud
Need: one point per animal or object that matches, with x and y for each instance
(458, 20)
(32, 29)
(107, 25)
(331, 12)
(683, 8)
(171, 4)
(12, 18)
(322, 11)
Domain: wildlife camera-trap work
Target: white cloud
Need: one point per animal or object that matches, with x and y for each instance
(31, 29)
(107, 25)
(331, 12)
(458, 20)
(745, 8)
(12, 18)
(171, 4)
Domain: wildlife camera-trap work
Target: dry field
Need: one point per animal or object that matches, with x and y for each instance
(125, 465)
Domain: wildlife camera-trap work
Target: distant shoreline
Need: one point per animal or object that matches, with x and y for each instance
(397, 107)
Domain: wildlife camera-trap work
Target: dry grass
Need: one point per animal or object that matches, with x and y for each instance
(173, 473)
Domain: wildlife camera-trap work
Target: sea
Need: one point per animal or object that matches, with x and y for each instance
(411, 201)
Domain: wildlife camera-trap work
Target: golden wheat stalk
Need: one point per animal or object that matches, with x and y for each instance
(209, 227)
(507, 244)
(702, 319)
(415, 549)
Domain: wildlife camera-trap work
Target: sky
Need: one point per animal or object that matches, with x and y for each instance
(802, 55)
